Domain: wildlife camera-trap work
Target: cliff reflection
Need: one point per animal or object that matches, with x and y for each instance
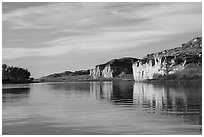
(148, 96)
(184, 101)
(118, 92)
(179, 100)
(101, 89)
(15, 94)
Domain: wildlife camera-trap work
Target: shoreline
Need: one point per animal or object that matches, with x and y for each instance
(84, 80)
(171, 81)
(17, 82)
(114, 80)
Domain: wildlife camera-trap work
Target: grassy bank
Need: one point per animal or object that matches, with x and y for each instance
(177, 81)
(191, 73)
(67, 78)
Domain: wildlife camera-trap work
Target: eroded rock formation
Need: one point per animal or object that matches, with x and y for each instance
(169, 61)
(113, 68)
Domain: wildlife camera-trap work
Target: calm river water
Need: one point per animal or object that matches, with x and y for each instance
(101, 108)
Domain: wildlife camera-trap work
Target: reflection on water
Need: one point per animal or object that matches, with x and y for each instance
(76, 89)
(15, 94)
(121, 107)
(120, 93)
(73, 86)
(183, 100)
(178, 100)
(101, 90)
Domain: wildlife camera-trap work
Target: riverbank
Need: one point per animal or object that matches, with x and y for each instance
(172, 81)
(162, 81)
(84, 80)
(78, 78)
(187, 76)
(17, 81)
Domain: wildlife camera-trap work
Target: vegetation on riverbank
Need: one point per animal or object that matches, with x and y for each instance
(15, 75)
(191, 73)
(61, 77)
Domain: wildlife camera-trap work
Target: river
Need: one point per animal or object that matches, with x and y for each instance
(101, 108)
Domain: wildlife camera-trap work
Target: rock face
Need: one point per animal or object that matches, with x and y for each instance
(113, 68)
(168, 61)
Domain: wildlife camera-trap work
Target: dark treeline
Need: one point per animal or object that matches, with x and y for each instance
(12, 74)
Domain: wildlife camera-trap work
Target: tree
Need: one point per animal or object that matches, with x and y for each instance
(5, 71)
(10, 73)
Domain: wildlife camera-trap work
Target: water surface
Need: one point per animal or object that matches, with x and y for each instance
(101, 108)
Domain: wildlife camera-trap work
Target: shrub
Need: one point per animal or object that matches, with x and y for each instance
(157, 76)
(169, 77)
(192, 73)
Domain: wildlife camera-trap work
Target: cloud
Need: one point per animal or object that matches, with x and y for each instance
(105, 42)
(60, 15)
(13, 53)
(14, 40)
(49, 16)
(98, 26)
(104, 17)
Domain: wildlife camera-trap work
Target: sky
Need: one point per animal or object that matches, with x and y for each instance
(48, 38)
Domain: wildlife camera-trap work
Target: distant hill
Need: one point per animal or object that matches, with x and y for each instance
(66, 76)
(119, 68)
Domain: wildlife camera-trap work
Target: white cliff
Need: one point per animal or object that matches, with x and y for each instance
(96, 72)
(158, 65)
(113, 68)
(107, 72)
(148, 69)
(168, 61)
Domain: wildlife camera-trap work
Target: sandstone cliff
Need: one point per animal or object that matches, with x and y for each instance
(113, 68)
(169, 61)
